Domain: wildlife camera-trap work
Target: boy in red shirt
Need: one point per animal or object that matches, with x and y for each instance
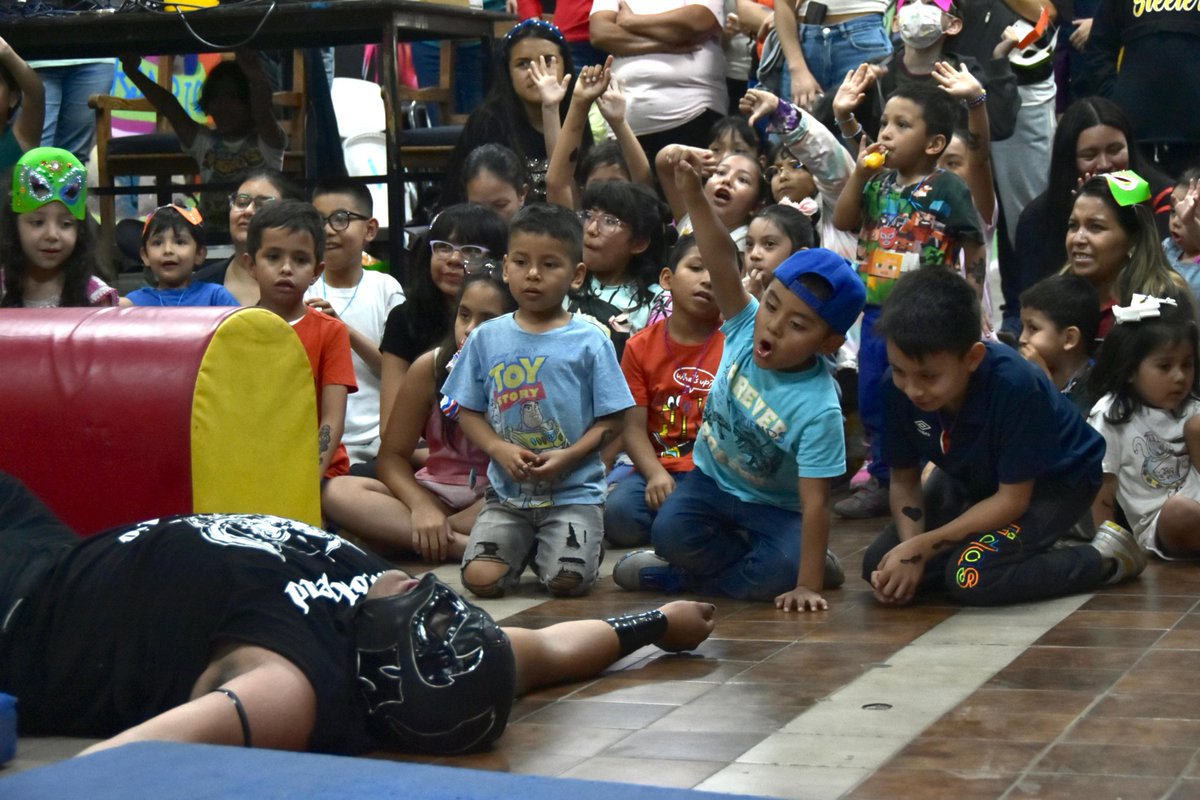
(284, 249)
(670, 367)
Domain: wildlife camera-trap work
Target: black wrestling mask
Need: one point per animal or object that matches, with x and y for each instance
(437, 672)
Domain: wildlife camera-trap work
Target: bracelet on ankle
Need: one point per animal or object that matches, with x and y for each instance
(635, 631)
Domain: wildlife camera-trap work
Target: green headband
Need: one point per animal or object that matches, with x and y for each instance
(1127, 187)
(46, 174)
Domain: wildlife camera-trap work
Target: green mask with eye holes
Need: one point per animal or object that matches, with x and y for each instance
(46, 174)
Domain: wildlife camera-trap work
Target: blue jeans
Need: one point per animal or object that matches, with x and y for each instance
(872, 363)
(469, 74)
(627, 518)
(725, 545)
(70, 123)
(833, 50)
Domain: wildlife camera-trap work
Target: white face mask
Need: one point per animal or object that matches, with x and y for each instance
(920, 25)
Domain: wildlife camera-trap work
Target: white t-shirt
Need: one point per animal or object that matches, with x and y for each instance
(365, 308)
(1148, 457)
(666, 90)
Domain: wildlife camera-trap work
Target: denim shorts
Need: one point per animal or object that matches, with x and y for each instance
(833, 50)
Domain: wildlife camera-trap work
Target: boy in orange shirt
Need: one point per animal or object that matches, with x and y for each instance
(284, 249)
(670, 367)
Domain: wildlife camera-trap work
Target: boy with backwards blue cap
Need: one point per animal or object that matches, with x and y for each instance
(751, 520)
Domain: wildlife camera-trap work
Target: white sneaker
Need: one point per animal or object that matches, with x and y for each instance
(1118, 544)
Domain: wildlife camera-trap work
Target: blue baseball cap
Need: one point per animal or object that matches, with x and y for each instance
(848, 295)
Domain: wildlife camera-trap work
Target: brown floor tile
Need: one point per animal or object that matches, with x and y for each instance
(618, 689)
(748, 719)
(1067, 658)
(1160, 658)
(1189, 622)
(916, 784)
(1141, 680)
(1140, 602)
(1136, 732)
(1180, 639)
(1048, 678)
(559, 740)
(1121, 619)
(981, 723)
(1185, 790)
(739, 649)
(1152, 706)
(594, 714)
(885, 632)
(683, 667)
(648, 771)
(684, 745)
(1099, 637)
(516, 761)
(1114, 759)
(810, 661)
(1015, 701)
(797, 696)
(966, 755)
(1092, 787)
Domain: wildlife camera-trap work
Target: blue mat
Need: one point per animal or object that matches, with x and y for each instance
(164, 771)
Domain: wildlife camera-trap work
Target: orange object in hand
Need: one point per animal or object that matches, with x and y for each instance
(874, 160)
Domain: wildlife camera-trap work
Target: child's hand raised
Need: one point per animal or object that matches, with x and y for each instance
(853, 91)
(612, 103)
(593, 81)
(871, 159)
(958, 83)
(550, 88)
(1008, 42)
(758, 103)
(801, 599)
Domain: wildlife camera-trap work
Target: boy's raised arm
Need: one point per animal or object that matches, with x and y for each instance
(713, 240)
(560, 173)
(28, 126)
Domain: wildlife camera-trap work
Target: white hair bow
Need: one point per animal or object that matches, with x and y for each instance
(1144, 306)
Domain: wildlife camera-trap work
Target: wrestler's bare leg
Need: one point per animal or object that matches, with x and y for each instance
(572, 651)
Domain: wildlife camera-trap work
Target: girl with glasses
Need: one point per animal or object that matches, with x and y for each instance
(461, 239)
(258, 189)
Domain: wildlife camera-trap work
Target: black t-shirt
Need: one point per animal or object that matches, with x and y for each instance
(406, 340)
(124, 623)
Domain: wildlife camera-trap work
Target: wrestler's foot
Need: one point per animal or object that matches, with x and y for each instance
(688, 624)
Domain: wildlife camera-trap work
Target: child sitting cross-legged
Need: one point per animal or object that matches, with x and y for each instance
(1149, 415)
(670, 367)
(539, 391)
(751, 521)
(1060, 316)
(284, 250)
(172, 247)
(1016, 465)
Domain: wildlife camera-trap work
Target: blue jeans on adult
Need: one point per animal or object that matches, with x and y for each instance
(830, 51)
(725, 545)
(872, 363)
(70, 123)
(469, 74)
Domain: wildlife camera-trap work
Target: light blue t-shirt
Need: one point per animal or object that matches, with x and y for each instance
(763, 430)
(541, 391)
(1189, 269)
(196, 294)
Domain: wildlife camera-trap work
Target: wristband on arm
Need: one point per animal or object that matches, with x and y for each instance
(635, 631)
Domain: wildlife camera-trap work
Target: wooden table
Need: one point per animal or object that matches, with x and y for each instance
(262, 24)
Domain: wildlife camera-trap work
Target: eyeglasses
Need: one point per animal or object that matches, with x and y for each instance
(242, 201)
(607, 222)
(472, 254)
(192, 215)
(341, 219)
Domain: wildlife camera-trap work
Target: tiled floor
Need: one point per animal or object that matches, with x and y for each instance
(1084, 697)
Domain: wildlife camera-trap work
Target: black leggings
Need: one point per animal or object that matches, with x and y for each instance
(31, 540)
(1014, 564)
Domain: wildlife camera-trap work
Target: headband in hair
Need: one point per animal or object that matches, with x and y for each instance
(192, 215)
(1143, 306)
(538, 24)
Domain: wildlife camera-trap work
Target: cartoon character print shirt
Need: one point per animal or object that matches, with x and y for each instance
(157, 597)
(764, 430)
(905, 227)
(671, 381)
(540, 391)
(1148, 457)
